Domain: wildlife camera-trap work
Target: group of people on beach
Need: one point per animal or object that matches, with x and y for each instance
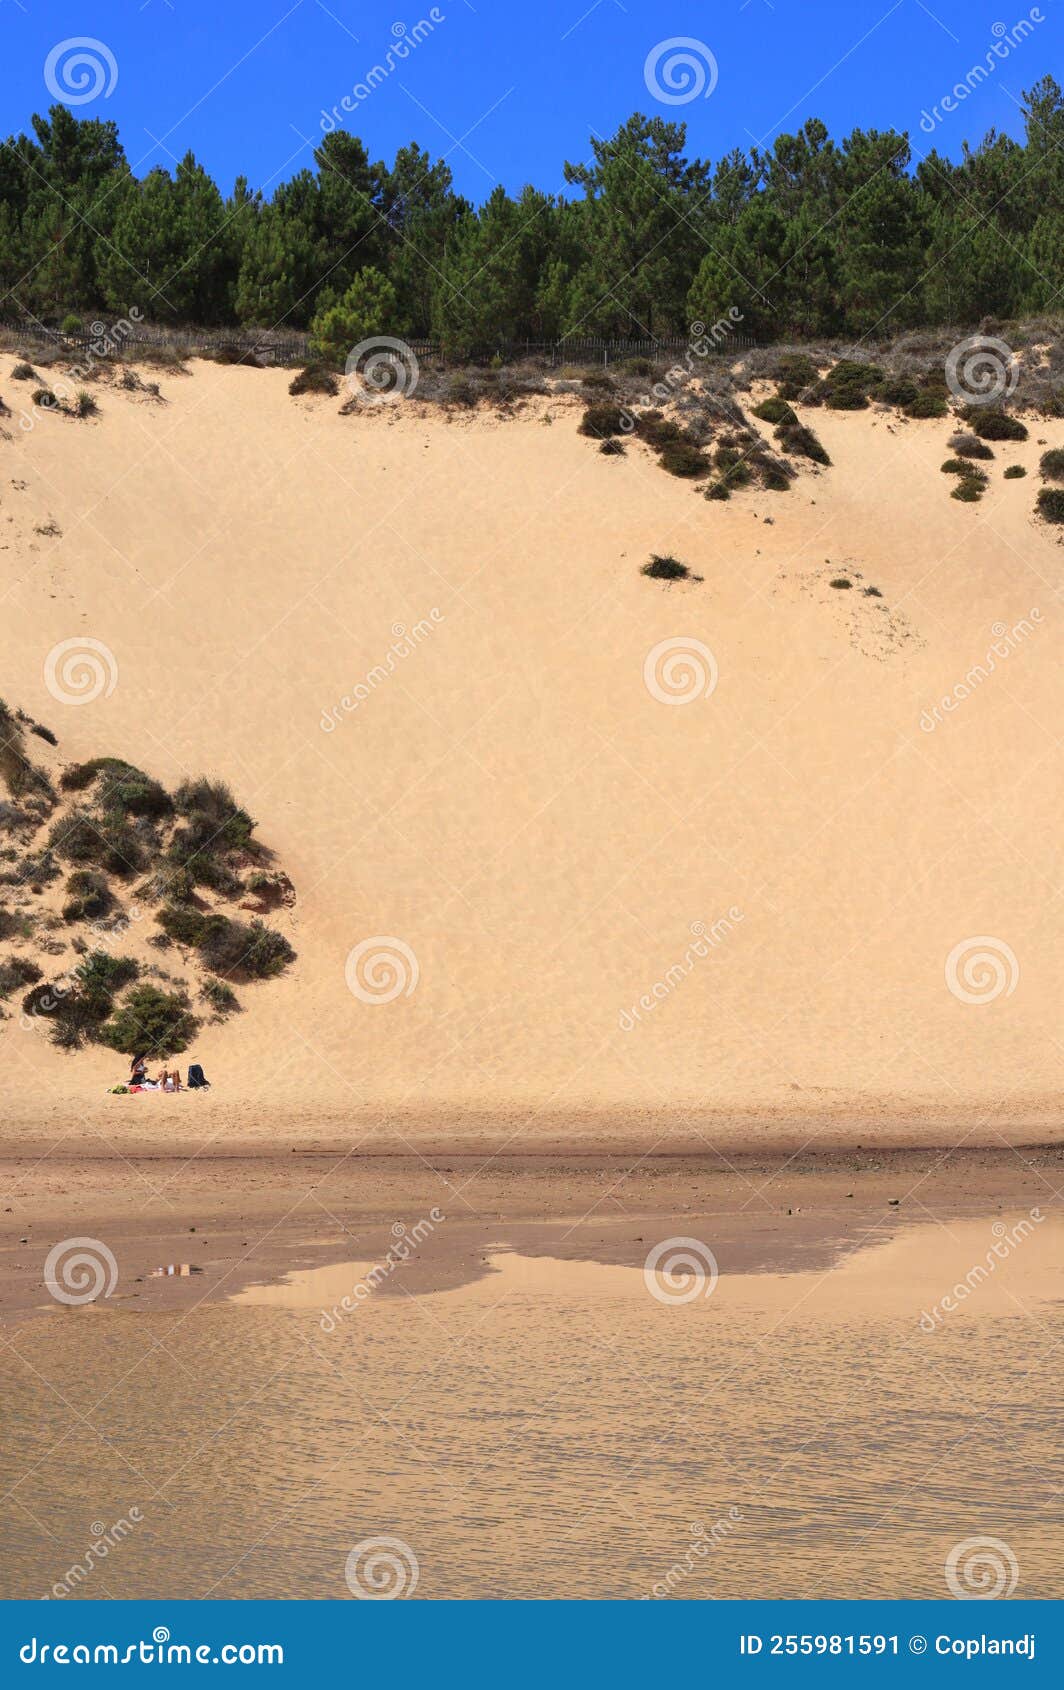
(168, 1080)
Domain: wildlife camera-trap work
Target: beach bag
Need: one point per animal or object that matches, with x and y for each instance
(196, 1077)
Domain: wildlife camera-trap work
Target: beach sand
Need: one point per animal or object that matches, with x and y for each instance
(660, 973)
(781, 870)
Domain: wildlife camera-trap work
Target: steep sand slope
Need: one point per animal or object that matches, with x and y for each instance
(515, 804)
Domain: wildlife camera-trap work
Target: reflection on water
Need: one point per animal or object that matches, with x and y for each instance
(554, 1429)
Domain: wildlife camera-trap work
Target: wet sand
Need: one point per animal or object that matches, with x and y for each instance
(255, 1217)
(528, 1415)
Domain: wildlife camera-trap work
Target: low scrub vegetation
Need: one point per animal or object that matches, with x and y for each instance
(315, 378)
(1051, 464)
(775, 410)
(108, 825)
(601, 421)
(665, 568)
(800, 441)
(964, 445)
(242, 950)
(967, 471)
(151, 1022)
(1051, 504)
(681, 458)
(89, 896)
(991, 424)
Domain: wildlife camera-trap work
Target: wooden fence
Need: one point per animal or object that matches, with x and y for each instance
(293, 348)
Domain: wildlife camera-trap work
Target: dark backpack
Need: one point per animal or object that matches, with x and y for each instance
(196, 1077)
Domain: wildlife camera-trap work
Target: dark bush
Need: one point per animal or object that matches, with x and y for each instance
(213, 813)
(108, 841)
(775, 475)
(602, 421)
(1051, 504)
(611, 448)
(840, 583)
(77, 776)
(151, 1023)
(270, 952)
(927, 404)
(734, 467)
(994, 425)
(132, 792)
(667, 569)
(183, 923)
(88, 896)
(221, 997)
(718, 490)
(597, 381)
(968, 490)
(801, 442)
(967, 446)
(85, 404)
(228, 352)
(43, 733)
(775, 411)
(897, 390)
(1051, 464)
(99, 977)
(237, 948)
(23, 372)
(315, 378)
(657, 430)
(681, 459)
(77, 1007)
(1014, 472)
(16, 971)
(796, 372)
(847, 385)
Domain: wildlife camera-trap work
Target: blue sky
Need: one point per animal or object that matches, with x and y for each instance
(507, 91)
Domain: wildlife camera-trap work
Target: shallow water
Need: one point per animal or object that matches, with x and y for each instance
(555, 1428)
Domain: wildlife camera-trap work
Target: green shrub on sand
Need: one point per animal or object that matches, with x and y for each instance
(152, 1023)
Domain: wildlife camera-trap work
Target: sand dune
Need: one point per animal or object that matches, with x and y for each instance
(549, 840)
